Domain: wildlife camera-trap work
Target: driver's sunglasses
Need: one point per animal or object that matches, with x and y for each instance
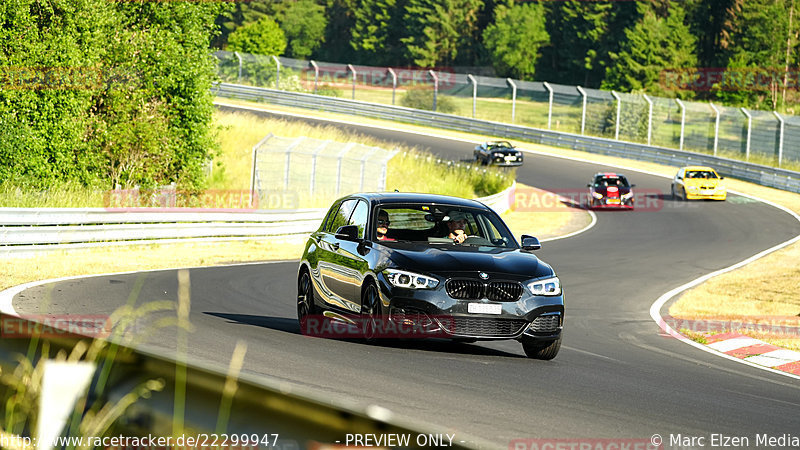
(383, 223)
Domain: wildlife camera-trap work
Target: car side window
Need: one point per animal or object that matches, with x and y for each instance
(341, 217)
(329, 217)
(359, 217)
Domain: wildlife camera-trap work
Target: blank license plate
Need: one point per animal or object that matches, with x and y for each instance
(484, 308)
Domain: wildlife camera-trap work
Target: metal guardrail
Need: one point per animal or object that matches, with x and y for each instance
(32, 229)
(254, 405)
(764, 175)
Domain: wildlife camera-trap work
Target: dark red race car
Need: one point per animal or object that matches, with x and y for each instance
(610, 190)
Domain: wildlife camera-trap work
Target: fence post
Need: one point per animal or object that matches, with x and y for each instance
(716, 127)
(474, 93)
(239, 57)
(277, 72)
(289, 148)
(513, 98)
(364, 166)
(550, 103)
(749, 127)
(313, 177)
(394, 83)
(649, 118)
(780, 137)
(619, 111)
(353, 69)
(435, 87)
(316, 74)
(339, 159)
(583, 110)
(683, 120)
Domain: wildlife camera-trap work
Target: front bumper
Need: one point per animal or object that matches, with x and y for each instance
(697, 195)
(537, 317)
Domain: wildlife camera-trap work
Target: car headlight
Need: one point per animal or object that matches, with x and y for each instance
(597, 195)
(627, 196)
(548, 286)
(410, 280)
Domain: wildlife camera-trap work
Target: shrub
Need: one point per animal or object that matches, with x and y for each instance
(422, 98)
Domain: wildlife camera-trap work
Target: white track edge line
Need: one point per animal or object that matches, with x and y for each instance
(7, 296)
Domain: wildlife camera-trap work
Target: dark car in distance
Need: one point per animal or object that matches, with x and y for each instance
(498, 153)
(610, 191)
(385, 261)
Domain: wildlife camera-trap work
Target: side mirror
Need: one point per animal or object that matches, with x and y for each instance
(680, 178)
(530, 243)
(633, 185)
(347, 233)
(588, 185)
(721, 178)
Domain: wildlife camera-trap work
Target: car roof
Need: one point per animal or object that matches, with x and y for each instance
(698, 168)
(411, 197)
(609, 174)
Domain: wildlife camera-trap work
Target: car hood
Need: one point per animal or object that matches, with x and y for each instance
(604, 190)
(447, 259)
(702, 182)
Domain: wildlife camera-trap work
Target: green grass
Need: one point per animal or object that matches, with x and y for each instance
(412, 170)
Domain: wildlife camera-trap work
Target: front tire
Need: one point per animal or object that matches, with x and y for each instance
(305, 301)
(370, 312)
(538, 350)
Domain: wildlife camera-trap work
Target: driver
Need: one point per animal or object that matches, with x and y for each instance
(456, 221)
(383, 226)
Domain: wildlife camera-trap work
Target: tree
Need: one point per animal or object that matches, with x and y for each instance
(652, 45)
(762, 41)
(303, 22)
(436, 29)
(240, 14)
(378, 29)
(263, 37)
(514, 39)
(112, 92)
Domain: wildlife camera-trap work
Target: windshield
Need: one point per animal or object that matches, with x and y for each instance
(440, 225)
(701, 174)
(605, 181)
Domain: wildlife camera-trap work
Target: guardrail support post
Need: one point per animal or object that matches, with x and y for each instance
(239, 57)
(474, 93)
(583, 110)
(716, 127)
(649, 118)
(394, 83)
(781, 123)
(749, 128)
(550, 105)
(353, 69)
(683, 120)
(277, 72)
(316, 74)
(513, 98)
(619, 111)
(435, 87)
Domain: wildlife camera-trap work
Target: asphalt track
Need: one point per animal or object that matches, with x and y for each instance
(616, 375)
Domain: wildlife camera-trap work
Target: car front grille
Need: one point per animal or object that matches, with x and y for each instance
(465, 289)
(546, 324)
(477, 326)
(498, 291)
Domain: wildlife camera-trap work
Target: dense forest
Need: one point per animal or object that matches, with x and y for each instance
(667, 48)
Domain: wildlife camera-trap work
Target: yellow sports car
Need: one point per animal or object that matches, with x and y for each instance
(698, 182)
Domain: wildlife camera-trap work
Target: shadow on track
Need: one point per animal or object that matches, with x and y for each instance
(290, 325)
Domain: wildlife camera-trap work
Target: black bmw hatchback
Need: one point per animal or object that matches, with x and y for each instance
(420, 265)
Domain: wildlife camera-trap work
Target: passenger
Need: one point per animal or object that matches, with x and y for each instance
(456, 222)
(383, 226)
